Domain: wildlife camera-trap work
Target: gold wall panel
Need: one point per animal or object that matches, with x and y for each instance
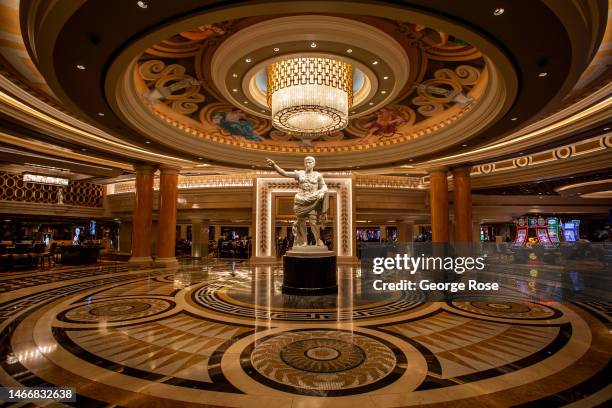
(13, 188)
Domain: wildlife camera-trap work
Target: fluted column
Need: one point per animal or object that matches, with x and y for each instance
(166, 216)
(438, 203)
(462, 191)
(143, 214)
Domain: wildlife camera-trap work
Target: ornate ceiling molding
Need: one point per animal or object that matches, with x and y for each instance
(45, 25)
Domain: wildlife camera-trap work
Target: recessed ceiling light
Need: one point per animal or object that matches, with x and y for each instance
(385, 77)
(147, 142)
(235, 75)
(542, 74)
(81, 67)
(100, 114)
(245, 102)
(352, 112)
(142, 4)
(83, 149)
(248, 60)
(276, 49)
(383, 92)
(606, 128)
(410, 159)
(521, 153)
(498, 11)
(263, 111)
(374, 62)
(371, 103)
(234, 90)
(464, 145)
(313, 45)
(349, 51)
(513, 118)
(200, 158)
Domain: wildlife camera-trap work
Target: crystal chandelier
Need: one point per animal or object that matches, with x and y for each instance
(310, 96)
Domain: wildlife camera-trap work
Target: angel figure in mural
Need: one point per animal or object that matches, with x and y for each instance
(386, 122)
(237, 123)
(310, 202)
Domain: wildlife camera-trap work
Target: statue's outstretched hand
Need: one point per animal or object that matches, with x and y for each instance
(270, 162)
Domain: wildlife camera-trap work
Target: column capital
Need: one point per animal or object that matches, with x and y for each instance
(145, 168)
(167, 169)
(463, 170)
(198, 220)
(437, 170)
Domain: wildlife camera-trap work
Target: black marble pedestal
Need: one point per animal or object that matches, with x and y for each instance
(309, 273)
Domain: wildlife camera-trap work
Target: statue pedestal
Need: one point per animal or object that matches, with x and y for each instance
(310, 270)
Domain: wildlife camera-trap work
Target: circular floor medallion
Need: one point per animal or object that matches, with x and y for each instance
(507, 309)
(322, 355)
(229, 299)
(117, 310)
(331, 361)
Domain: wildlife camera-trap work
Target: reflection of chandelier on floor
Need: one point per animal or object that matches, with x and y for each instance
(310, 96)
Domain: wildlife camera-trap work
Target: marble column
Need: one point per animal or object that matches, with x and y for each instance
(183, 231)
(125, 237)
(475, 231)
(405, 231)
(166, 216)
(438, 203)
(143, 214)
(462, 191)
(199, 238)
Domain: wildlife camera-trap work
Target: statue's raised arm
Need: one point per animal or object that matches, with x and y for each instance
(279, 170)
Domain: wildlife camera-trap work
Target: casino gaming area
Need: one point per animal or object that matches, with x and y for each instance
(306, 203)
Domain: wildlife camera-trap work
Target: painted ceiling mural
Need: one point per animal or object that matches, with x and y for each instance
(173, 79)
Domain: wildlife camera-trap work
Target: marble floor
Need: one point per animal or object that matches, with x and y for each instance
(222, 334)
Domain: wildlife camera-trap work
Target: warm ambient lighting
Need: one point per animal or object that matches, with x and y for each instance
(310, 95)
(37, 178)
(498, 11)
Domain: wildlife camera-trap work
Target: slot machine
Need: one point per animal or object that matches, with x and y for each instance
(553, 230)
(570, 231)
(542, 232)
(522, 232)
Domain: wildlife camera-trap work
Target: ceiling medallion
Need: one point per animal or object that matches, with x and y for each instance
(310, 96)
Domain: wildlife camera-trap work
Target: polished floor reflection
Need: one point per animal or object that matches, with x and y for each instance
(222, 334)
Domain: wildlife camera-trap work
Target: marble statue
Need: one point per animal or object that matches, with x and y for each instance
(310, 202)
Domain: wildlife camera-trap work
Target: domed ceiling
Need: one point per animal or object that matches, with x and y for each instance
(410, 80)
(432, 79)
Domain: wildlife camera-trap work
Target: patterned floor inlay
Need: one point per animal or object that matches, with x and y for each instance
(300, 361)
(223, 334)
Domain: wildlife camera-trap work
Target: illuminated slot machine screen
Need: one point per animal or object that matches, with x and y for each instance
(569, 232)
(542, 234)
(553, 230)
(521, 236)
